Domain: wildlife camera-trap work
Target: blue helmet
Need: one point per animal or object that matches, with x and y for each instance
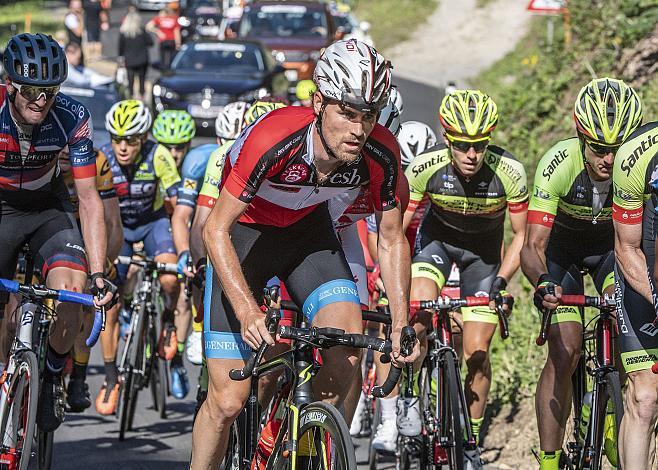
(35, 59)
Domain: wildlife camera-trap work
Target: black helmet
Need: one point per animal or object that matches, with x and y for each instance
(35, 59)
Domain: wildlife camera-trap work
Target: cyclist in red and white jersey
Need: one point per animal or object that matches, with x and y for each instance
(271, 219)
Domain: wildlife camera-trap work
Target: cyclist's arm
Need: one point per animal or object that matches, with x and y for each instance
(631, 259)
(197, 248)
(180, 221)
(533, 254)
(511, 260)
(93, 222)
(418, 174)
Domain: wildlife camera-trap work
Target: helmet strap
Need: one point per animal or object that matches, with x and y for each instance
(318, 126)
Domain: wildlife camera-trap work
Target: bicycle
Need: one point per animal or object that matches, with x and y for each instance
(445, 425)
(140, 366)
(307, 434)
(22, 378)
(596, 364)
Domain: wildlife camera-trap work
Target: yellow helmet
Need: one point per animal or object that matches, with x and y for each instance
(128, 117)
(259, 108)
(305, 89)
(468, 113)
(607, 111)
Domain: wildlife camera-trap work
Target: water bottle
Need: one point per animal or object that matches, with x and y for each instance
(585, 411)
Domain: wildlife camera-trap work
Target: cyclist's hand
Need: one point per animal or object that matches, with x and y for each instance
(499, 297)
(372, 279)
(103, 290)
(185, 264)
(398, 359)
(548, 293)
(253, 329)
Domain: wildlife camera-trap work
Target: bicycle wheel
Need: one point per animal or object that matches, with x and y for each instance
(233, 459)
(131, 378)
(452, 415)
(610, 398)
(20, 411)
(373, 455)
(324, 439)
(157, 373)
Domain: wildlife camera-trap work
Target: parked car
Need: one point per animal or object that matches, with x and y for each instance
(98, 101)
(200, 19)
(295, 31)
(207, 75)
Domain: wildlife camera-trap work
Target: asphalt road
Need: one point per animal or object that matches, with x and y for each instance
(90, 441)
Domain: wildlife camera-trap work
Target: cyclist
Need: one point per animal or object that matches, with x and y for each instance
(304, 91)
(570, 230)
(37, 123)
(77, 390)
(271, 219)
(142, 171)
(469, 183)
(175, 130)
(634, 213)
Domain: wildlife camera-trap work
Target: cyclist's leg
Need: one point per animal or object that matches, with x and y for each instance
(225, 349)
(77, 390)
(554, 387)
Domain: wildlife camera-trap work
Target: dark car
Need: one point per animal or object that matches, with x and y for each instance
(206, 76)
(200, 19)
(295, 31)
(98, 101)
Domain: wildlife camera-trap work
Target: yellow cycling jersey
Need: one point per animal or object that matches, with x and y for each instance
(213, 176)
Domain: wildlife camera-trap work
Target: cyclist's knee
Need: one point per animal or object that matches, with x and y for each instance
(223, 406)
(642, 396)
(170, 285)
(477, 360)
(67, 279)
(564, 349)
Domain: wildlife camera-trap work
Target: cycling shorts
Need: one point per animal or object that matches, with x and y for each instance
(477, 269)
(568, 256)
(157, 240)
(306, 256)
(638, 336)
(51, 233)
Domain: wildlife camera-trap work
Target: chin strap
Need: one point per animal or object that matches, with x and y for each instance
(318, 126)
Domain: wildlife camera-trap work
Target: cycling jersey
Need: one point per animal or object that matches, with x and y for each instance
(139, 185)
(468, 207)
(280, 181)
(564, 192)
(29, 179)
(634, 178)
(104, 184)
(213, 175)
(192, 173)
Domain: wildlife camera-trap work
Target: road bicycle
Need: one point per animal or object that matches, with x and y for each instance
(307, 434)
(445, 425)
(140, 366)
(21, 381)
(596, 385)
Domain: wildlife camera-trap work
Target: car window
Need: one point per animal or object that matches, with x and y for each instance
(283, 21)
(219, 57)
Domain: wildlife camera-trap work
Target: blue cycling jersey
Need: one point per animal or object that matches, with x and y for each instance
(192, 173)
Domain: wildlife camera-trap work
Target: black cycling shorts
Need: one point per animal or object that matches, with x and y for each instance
(306, 256)
(478, 265)
(51, 233)
(567, 255)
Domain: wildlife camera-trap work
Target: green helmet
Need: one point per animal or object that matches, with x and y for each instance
(173, 127)
(607, 111)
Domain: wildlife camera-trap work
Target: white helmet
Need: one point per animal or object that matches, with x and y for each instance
(228, 124)
(396, 98)
(355, 74)
(128, 117)
(414, 138)
(389, 117)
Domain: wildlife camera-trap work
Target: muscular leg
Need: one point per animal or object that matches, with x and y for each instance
(476, 340)
(553, 396)
(183, 315)
(636, 436)
(69, 316)
(170, 285)
(225, 400)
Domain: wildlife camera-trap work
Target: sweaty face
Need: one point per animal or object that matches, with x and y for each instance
(467, 162)
(127, 150)
(29, 112)
(599, 165)
(345, 130)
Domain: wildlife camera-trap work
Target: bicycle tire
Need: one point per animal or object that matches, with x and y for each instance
(157, 374)
(125, 403)
(21, 408)
(612, 389)
(129, 383)
(452, 411)
(46, 448)
(373, 455)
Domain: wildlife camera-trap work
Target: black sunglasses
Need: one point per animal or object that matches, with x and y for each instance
(602, 150)
(129, 139)
(465, 146)
(176, 146)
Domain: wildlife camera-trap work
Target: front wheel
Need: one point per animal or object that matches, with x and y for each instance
(452, 415)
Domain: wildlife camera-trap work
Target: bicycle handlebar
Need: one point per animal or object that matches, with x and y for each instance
(160, 268)
(39, 293)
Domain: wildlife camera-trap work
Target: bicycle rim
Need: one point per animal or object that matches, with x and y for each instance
(453, 414)
(324, 441)
(19, 416)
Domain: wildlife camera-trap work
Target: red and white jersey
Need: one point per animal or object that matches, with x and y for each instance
(271, 166)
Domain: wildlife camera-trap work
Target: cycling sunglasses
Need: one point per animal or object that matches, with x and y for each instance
(464, 145)
(129, 139)
(34, 93)
(176, 146)
(602, 150)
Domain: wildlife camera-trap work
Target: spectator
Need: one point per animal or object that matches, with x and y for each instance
(79, 75)
(74, 22)
(165, 26)
(134, 43)
(95, 18)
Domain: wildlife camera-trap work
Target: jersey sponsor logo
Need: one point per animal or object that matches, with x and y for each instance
(289, 144)
(621, 194)
(649, 329)
(143, 189)
(580, 192)
(46, 127)
(189, 184)
(437, 259)
(483, 184)
(351, 178)
(552, 166)
(628, 163)
(74, 246)
(295, 173)
(144, 176)
(541, 194)
(418, 169)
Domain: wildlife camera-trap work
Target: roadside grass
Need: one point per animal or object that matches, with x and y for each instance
(12, 19)
(393, 21)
